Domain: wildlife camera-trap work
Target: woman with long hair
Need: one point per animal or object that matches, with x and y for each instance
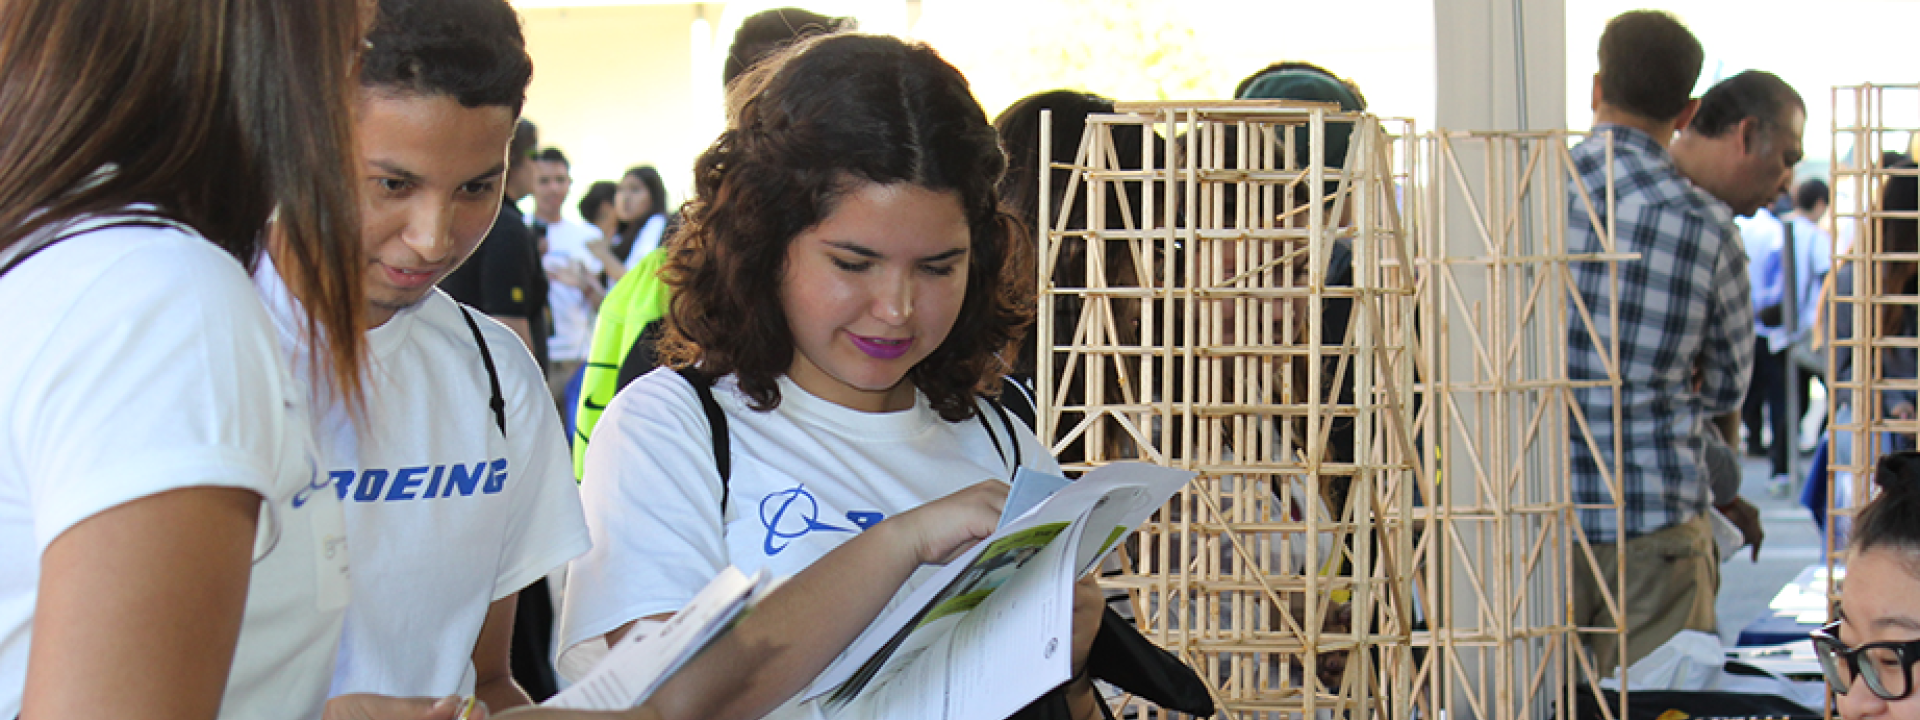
(167, 549)
(640, 207)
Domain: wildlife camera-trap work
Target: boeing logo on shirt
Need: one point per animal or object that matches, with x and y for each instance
(421, 482)
(315, 483)
(792, 513)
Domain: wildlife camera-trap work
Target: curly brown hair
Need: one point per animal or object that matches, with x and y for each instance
(805, 128)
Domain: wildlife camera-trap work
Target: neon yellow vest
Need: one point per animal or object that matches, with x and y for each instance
(637, 299)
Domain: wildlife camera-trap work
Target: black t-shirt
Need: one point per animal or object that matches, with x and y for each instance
(504, 277)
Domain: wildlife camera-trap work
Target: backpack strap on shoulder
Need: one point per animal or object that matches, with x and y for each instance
(1006, 425)
(717, 423)
(497, 402)
(1018, 399)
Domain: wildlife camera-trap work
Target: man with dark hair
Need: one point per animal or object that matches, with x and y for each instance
(1743, 143)
(1684, 344)
(575, 291)
(1741, 148)
(454, 476)
(767, 31)
(1648, 65)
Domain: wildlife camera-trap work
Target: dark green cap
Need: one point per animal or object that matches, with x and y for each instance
(1310, 86)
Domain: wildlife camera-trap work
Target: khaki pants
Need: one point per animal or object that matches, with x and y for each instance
(1672, 578)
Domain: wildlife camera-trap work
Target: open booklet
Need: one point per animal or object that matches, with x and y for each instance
(652, 652)
(983, 637)
(993, 630)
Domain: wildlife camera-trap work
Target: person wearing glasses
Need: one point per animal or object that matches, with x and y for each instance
(1868, 653)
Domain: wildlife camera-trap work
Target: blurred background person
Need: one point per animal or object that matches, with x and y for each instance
(640, 207)
(596, 207)
(573, 271)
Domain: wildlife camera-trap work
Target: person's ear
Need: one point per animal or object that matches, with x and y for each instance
(1596, 93)
(1685, 118)
(1752, 136)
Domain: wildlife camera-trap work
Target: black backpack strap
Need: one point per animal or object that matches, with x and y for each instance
(717, 423)
(1018, 398)
(498, 403)
(1006, 424)
(642, 357)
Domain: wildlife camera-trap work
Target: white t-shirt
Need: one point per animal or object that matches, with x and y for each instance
(807, 476)
(648, 238)
(139, 361)
(572, 317)
(446, 516)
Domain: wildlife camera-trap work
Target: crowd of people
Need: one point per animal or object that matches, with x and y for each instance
(310, 419)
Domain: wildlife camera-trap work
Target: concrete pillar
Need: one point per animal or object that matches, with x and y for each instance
(1499, 65)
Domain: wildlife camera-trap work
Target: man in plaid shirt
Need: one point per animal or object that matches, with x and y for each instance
(1685, 343)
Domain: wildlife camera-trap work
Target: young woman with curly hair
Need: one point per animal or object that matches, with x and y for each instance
(847, 279)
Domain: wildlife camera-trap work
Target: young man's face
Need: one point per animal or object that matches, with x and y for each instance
(430, 175)
(551, 181)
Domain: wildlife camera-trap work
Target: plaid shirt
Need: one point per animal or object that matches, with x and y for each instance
(1686, 332)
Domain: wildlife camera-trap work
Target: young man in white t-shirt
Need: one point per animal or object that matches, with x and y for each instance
(454, 476)
(575, 291)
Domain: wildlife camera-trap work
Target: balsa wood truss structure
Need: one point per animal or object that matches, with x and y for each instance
(1364, 358)
(1869, 123)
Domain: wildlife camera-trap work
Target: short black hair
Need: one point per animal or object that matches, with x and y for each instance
(1649, 63)
(598, 195)
(471, 50)
(1892, 520)
(767, 31)
(1810, 193)
(1755, 94)
(553, 154)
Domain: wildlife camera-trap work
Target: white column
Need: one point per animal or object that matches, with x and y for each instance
(1499, 65)
(1479, 84)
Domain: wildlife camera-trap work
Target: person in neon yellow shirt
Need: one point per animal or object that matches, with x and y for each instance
(635, 303)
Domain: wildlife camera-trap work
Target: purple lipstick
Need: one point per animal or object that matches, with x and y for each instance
(882, 348)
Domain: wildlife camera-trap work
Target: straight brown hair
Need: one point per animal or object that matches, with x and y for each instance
(222, 114)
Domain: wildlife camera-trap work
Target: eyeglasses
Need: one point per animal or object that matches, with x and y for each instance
(1886, 666)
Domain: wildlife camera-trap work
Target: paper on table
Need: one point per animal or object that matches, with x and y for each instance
(644, 659)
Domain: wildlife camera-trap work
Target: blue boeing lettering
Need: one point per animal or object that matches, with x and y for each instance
(497, 481)
(790, 514)
(464, 480)
(433, 483)
(369, 488)
(342, 481)
(404, 481)
(420, 482)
